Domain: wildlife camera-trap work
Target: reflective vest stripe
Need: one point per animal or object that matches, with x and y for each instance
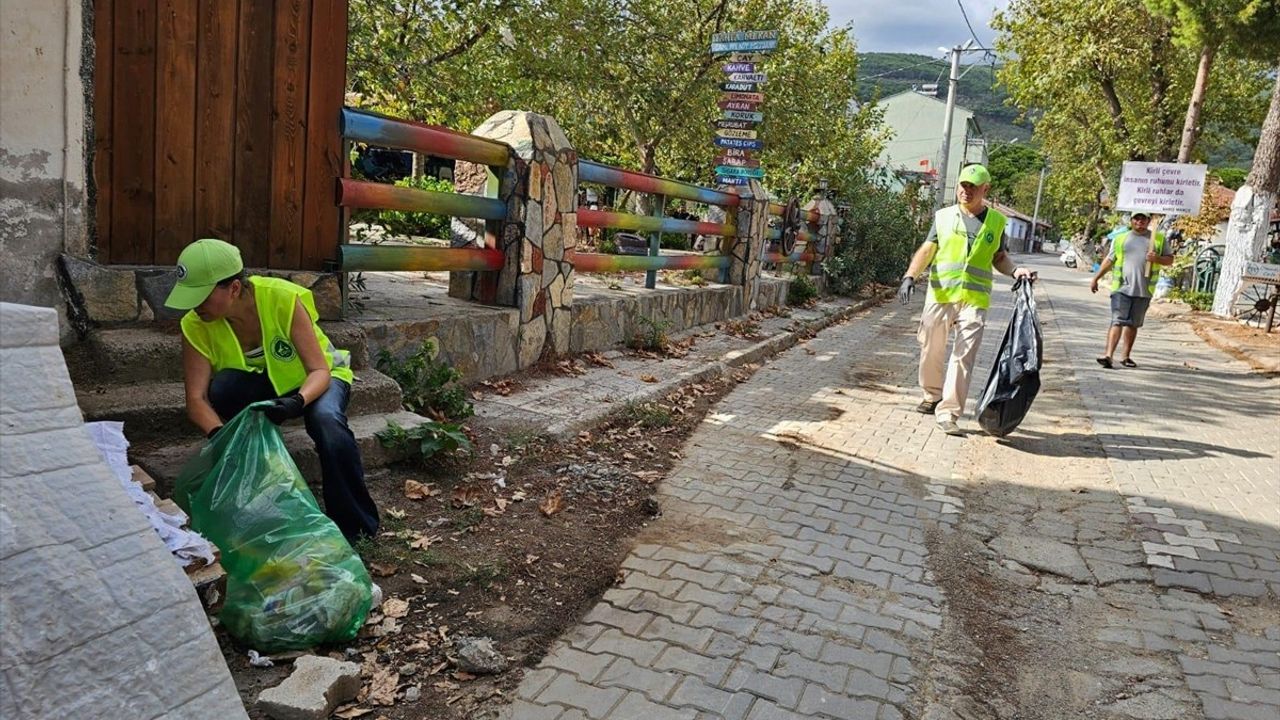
(1117, 272)
(962, 270)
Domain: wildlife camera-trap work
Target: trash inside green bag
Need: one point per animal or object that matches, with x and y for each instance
(293, 581)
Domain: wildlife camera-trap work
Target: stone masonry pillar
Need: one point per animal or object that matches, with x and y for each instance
(828, 226)
(540, 231)
(745, 248)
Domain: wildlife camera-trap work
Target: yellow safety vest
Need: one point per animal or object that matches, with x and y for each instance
(1117, 272)
(276, 300)
(961, 273)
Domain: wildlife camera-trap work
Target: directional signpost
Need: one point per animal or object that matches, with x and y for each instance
(737, 136)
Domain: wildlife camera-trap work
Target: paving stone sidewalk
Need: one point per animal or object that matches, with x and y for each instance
(789, 575)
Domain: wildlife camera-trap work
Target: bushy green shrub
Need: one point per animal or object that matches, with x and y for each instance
(428, 383)
(879, 230)
(801, 290)
(397, 222)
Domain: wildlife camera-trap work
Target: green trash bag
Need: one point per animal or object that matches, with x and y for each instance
(293, 581)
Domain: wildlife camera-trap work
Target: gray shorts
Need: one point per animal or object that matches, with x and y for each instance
(1127, 310)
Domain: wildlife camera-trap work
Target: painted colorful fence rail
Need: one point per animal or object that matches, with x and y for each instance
(366, 127)
(663, 188)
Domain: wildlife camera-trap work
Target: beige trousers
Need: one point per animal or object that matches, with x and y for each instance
(947, 382)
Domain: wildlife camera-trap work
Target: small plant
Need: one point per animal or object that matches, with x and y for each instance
(372, 551)
(801, 290)
(608, 246)
(695, 277)
(484, 574)
(1197, 300)
(430, 437)
(428, 383)
(468, 518)
(648, 415)
(651, 335)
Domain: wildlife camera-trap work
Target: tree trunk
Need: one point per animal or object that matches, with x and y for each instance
(1191, 127)
(1251, 210)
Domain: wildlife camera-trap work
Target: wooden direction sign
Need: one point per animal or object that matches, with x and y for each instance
(739, 87)
(758, 78)
(744, 36)
(731, 161)
(738, 67)
(742, 134)
(735, 124)
(743, 96)
(738, 143)
(744, 41)
(738, 105)
(727, 171)
(727, 180)
(750, 57)
(735, 153)
(740, 115)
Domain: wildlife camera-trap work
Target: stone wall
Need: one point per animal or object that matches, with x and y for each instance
(99, 620)
(42, 147)
(103, 296)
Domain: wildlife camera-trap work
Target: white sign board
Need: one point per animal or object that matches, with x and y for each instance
(1262, 273)
(1163, 188)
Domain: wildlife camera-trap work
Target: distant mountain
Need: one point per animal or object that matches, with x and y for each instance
(885, 74)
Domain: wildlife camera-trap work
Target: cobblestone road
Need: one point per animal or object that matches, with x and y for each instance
(809, 561)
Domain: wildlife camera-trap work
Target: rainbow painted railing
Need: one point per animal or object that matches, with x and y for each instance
(807, 233)
(594, 172)
(367, 127)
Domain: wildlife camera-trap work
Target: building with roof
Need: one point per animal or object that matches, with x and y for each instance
(915, 149)
(1018, 229)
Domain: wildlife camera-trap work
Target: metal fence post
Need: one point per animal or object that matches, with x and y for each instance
(655, 241)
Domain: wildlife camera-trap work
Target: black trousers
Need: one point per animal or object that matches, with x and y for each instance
(346, 498)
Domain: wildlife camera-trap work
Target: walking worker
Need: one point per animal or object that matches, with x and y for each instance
(1134, 254)
(249, 339)
(966, 242)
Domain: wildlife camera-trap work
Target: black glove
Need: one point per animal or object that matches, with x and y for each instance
(283, 408)
(904, 291)
(213, 433)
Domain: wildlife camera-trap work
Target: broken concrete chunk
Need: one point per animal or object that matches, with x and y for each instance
(477, 655)
(1044, 555)
(316, 686)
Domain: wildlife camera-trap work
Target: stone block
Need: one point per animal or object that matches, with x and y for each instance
(327, 290)
(105, 295)
(154, 286)
(316, 686)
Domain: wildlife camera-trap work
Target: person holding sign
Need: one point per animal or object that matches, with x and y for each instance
(1131, 261)
(965, 244)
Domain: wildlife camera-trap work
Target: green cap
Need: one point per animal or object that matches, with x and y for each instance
(202, 265)
(975, 174)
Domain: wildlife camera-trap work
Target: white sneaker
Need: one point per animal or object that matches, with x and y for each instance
(949, 427)
(377, 596)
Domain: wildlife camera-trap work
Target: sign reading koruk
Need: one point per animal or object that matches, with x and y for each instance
(1164, 188)
(737, 135)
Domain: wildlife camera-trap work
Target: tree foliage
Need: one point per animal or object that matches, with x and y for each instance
(1109, 84)
(631, 82)
(1009, 163)
(1242, 28)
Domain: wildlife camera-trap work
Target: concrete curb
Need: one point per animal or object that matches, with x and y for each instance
(713, 370)
(1245, 353)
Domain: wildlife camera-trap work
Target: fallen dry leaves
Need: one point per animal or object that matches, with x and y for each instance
(381, 689)
(395, 607)
(648, 379)
(415, 490)
(552, 504)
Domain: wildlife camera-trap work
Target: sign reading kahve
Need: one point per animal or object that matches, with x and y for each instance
(1164, 188)
(737, 137)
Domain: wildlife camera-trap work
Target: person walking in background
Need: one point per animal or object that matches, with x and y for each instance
(1131, 262)
(964, 245)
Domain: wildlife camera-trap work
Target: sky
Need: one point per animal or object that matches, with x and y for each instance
(918, 26)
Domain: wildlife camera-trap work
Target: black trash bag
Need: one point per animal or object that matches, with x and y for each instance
(1015, 376)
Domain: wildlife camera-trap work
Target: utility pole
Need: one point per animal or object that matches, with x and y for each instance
(1035, 216)
(952, 84)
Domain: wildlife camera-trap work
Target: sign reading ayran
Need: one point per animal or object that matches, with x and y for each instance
(1164, 188)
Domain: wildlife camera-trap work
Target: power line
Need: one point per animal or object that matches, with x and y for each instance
(966, 22)
(909, 67)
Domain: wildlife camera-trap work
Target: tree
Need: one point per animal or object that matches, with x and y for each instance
(1246, 28)
(1251, 210)
(1105, 79)
(1009, 163)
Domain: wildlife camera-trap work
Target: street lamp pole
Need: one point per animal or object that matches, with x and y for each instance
(1035, 216)
(953, 83)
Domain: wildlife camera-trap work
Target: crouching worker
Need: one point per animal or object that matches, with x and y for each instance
(249, 339)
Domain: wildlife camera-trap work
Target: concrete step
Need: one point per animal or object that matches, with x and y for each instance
(136, 355)
(158, 409)
(164, 462)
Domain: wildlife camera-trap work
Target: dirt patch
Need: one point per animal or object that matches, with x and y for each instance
(1259, 349)
(514, 543)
